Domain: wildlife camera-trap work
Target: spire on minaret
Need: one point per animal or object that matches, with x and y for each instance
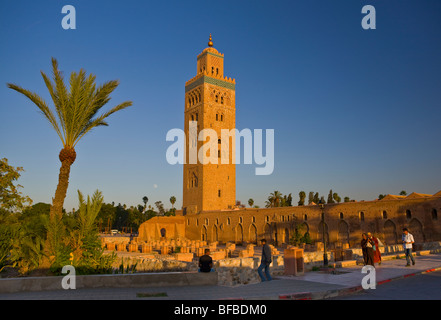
(210, 41)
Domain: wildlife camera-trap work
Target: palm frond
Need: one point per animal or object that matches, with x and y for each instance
(76, 109)
(42, 105)
(99, 121)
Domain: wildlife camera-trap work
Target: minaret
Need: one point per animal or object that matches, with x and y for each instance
(210, 101)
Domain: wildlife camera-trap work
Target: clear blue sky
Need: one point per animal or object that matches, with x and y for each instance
(354, 110)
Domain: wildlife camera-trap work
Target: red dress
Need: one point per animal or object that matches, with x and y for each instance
(377, 254)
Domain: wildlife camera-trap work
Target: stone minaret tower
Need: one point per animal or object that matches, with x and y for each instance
(209, 100)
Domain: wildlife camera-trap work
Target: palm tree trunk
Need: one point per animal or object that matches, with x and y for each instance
(55, 228)
(60, 194)
(67, 157)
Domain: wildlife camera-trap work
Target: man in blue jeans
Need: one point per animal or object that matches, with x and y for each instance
(265, 261)
(407, 244)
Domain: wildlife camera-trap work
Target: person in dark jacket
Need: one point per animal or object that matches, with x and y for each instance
(206, 262)
(367, 245)
(265, 262)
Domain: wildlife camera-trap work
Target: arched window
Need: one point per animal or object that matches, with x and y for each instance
(194, 182)
(206, 221)
(361, 216)
(253, 219)
(341, 216)
(305, 217)
(228, 221)
(217, 71)
(240, 219)
(217, 117)
(216, 98)
(384, 215)
(408, 214)
(222, 100)
(434, 214)
(222, 117)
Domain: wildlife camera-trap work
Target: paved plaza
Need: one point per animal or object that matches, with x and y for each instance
(311, 285)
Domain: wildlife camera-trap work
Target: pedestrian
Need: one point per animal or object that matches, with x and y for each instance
(265, 261)
(206, 262)
(408, 240)
(377, 253)
(368, 253)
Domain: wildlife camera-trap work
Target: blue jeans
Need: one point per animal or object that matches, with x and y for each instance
(267, 274)
(409, 256)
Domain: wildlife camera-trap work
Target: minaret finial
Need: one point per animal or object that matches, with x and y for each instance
(210, 41)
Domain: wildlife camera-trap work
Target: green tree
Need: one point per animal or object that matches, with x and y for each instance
(330, 197)
(85, 245)
(302, 196)
(76, 114)
(250, 202)
(107, 216)
(403, 193)
(172, 201)
(10, 198)
(160, 207)
(145, 199)
(311, 197)
(171, 212)
(347, 199)
(336, 197)
(316, 198)
(276, 198)
(381, 196)
(288, 200)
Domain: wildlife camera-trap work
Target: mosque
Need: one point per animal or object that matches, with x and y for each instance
(209, 211)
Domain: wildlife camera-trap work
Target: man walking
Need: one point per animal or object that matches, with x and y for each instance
(407, 244)
(265, 261)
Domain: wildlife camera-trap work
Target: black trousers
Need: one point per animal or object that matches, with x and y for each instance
(369, 260)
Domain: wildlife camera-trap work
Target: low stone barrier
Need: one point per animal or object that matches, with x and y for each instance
(138, 280)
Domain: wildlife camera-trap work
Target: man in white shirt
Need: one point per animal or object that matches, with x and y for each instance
(407, 244)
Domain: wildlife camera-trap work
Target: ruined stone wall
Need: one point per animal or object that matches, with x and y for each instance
(344, 222)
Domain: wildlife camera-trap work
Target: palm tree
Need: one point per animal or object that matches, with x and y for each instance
(145, 199)
(76, 114)
(276, 197)
(172, 201)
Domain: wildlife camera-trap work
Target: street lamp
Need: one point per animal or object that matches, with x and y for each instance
(325, 253)
(274, 227)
